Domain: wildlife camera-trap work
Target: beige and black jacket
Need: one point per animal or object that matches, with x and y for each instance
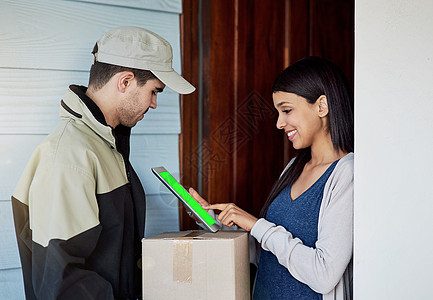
(79, 209)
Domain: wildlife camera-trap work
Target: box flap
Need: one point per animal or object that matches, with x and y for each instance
(197, 235)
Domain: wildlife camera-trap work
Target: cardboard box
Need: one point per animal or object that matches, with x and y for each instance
(196, 265)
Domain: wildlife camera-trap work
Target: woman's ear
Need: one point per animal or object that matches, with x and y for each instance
(323, 106)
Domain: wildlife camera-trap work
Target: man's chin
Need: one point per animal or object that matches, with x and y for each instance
(130, 124)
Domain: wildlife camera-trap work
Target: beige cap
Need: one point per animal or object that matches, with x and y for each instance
(138, 48)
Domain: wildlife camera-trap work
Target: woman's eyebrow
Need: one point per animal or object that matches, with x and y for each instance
(282, 103)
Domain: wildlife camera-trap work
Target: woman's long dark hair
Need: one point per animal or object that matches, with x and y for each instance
(310, 78)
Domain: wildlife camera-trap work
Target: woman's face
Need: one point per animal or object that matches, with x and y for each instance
(300, 120)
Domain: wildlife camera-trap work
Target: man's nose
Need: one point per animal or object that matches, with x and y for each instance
(153, 104)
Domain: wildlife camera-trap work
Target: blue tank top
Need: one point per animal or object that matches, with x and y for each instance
(300, 217)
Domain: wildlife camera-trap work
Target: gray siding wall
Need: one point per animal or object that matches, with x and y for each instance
(46, 45)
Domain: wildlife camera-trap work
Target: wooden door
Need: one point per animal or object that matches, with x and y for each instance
(232, 51)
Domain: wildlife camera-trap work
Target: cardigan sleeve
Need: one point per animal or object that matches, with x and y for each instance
(320, 267)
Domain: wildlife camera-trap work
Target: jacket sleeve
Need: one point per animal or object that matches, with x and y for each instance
(60, 270)
(321, 267)
(57, 227)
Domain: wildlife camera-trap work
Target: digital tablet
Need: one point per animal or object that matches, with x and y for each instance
(187, 200)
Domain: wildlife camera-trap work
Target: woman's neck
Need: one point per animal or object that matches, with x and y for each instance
(323, 152)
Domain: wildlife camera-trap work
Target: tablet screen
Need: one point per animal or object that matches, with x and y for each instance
(179, 190)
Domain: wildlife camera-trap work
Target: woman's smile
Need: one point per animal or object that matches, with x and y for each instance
(291, 134)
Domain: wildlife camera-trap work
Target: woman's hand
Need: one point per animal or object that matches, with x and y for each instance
(232, 214)
(203, 203)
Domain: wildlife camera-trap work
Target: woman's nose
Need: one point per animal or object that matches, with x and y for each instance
(280, 123)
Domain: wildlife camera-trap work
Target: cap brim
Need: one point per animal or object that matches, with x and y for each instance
(174, 81)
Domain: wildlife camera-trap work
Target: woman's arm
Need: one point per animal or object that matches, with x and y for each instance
(321, 267)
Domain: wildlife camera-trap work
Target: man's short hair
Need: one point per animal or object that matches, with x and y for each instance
(101, 73)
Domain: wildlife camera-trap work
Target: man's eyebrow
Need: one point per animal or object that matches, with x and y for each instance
(159, 90)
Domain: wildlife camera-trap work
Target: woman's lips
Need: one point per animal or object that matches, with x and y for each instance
(291, 134)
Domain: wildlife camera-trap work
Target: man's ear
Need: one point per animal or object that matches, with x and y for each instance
(124, 80)
(323, 106)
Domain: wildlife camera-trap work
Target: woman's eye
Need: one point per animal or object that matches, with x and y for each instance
(286, 111)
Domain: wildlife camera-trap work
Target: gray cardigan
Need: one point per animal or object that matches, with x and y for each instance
(327, 268)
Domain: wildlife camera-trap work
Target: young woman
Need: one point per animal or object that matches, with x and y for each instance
(306, 225)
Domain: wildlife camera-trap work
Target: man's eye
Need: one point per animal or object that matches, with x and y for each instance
(153, 93)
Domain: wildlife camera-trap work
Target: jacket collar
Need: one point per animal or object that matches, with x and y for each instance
(77, 105)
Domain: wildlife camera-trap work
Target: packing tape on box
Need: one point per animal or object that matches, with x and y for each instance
(182, 257)
(182, 261)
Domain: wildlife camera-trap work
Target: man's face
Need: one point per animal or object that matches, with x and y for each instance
(138, 100)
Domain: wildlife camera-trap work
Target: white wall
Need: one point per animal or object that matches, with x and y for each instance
(46, 45)
(393, 150)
